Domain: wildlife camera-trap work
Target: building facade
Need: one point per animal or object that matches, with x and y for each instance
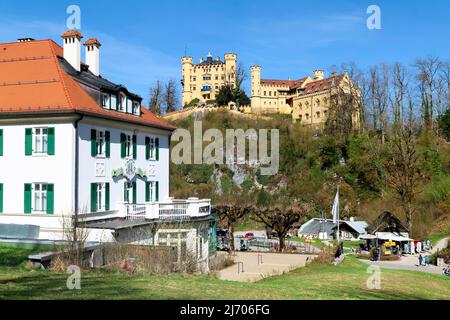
(203, 81)
(307, 99)
(73, 144)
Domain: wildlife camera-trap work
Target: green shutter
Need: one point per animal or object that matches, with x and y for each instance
(147, 191)
(27, 198)
(147, 148)
(157, 191)
(107, 196)
(93, 142)
(108, 144)
(28, 142)
(134, 192)
(1, 142)
(1, 197)
(123, 151)
(134, 147)
(157, 148)
(125, 193)
(93, 197)
(50, 198)
(51, 141)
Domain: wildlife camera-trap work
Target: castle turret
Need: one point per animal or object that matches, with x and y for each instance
(256, 88)
(186, 80)
(230, 68)
(319, 74)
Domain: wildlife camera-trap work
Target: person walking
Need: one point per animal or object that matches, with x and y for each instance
(420, 259)
(427, 261)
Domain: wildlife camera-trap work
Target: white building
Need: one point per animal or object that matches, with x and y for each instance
(74, 143)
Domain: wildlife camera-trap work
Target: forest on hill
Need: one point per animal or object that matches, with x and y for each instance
(397, 159)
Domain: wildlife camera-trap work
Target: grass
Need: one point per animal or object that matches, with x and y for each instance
(435, 237)
(14, 254)
(316, 281)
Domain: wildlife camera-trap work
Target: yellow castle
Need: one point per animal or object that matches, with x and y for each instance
(203, 81)
(307, 99)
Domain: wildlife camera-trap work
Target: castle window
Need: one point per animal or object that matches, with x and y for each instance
(318, 114)
(194, 78)
(206, 77)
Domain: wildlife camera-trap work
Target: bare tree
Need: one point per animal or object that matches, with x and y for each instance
(345, 108)
(155, 101)
(400, 91)
(428, 69)
(170, 98)
(231, 213)
(403, 169)
(280, 219)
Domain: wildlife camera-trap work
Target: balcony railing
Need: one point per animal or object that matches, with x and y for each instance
(169, 210)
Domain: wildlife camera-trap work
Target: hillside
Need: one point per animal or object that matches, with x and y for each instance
(311, 166)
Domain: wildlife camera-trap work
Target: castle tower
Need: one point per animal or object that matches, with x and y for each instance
(256, 88)
(187, 64)
(230, 68)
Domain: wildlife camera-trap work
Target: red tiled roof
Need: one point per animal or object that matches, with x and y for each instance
(322, 85)
(72, 33)
(32, 81)
(92, 41)
(283, 83)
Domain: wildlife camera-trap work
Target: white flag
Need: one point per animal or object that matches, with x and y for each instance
(335, 210)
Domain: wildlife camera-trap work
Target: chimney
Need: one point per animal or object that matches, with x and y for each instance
(93, 55)
(318, 74)
(72, 48)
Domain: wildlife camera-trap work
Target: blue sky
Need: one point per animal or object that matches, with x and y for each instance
(144, 40)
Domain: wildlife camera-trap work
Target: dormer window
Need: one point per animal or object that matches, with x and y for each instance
(122, 102)
(136, 108)
(129, 106)
(113, 100)
(106, 101)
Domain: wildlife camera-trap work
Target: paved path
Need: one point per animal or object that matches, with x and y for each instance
(410, 263)
(442, 244)
(272, 264)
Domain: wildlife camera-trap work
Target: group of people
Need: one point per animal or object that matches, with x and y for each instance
(421, 260)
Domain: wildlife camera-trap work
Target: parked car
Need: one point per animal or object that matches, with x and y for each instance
(249, 235)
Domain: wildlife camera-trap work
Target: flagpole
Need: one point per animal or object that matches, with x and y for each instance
(338, 215)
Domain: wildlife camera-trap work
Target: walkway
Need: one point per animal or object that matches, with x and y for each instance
(442, 244)
(410, 263)
(272, 264)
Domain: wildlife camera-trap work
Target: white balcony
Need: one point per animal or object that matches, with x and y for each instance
(163, 211)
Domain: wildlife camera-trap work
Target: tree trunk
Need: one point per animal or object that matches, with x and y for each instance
(281, 240)
(409, 214)
(231, 228)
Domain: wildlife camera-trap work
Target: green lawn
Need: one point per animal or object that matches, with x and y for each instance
(435, 237)
(316, 281)
(15, 254)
